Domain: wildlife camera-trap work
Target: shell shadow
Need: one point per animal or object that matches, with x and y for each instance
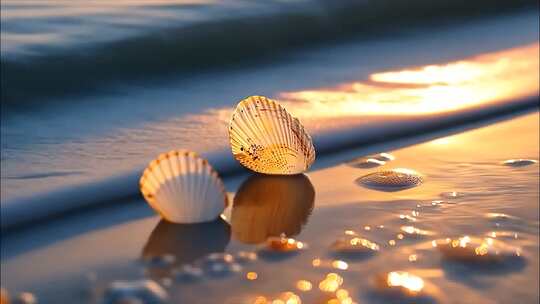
(471, 274)
(186, 242)
(271, 205)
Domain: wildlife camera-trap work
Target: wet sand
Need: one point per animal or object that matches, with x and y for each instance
(467, 191)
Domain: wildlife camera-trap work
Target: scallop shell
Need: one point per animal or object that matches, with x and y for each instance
(519, 162)
(183, 188)
(265, 138)
(391, 180)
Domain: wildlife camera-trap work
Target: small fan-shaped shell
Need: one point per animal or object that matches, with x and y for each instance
(265, 138)
(519, 162)
(391, 180)
(183, 188)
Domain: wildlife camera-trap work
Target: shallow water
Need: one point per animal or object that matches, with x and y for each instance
(467, 193)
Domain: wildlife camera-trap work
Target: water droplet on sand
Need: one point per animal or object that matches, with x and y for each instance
(520, 162)
(391, 180)
(220, 257)
(414, 232)
(452, 194)
(244, 257)
(401, 287)
(220, 264)
(188, 273)
(477, 251)
(338, 264)
(366, 163)
(304, 285)
(147, 291)
(289, 298)
(354, 247)
(252, 276)
(503, 234)
(350, 232)
(407, 218)
(280, 247)
(384, 157)
(501, 217)
(331, 282)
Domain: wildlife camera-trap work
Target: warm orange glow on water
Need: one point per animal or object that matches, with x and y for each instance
(428, 89)
(406, 280)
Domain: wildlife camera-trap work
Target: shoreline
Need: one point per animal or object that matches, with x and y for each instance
(448, 163)
(100, 194)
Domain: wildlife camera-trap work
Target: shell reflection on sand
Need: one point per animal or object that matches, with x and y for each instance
(185, 242)
(391, 180)
(477, 251)
(267, 206)
(265, 138)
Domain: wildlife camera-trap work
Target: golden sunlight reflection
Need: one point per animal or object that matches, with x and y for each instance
(331, 283)
(477, 250)
(490, 77)
(405, 280)
(284, 298)
(283, 244)
(338, 264)
(252, 275)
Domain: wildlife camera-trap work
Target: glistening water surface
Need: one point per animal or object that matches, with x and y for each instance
(468, 233)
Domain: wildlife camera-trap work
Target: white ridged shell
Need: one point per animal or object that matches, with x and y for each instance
(265, 138)
(183, 188)
(391, 180)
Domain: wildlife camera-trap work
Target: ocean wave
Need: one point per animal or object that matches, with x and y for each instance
(72, 48)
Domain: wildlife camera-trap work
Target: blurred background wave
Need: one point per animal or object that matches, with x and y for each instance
(55, 48)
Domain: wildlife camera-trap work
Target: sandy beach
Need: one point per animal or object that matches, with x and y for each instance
(410, 131)
(467, 191)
